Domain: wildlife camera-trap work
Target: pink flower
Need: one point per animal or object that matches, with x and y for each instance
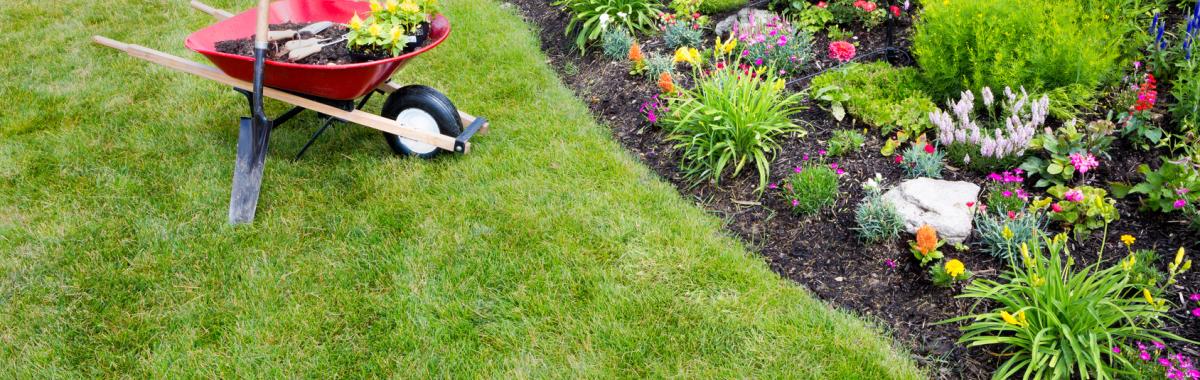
(1073, 195)
(1195, 297)
(841, 50)
(833, 165)
(899, 159)
(970, 204)
(1056, 207)
(795, 203)
(1196, 312)
(930, 149)
(822, 4)
(895, 11)
(891, 264)
(1012, 215)
(772, 186)
(1144, 355)
(758, 62)
(1181, 191)
(1083, 163)
(797, 169)
(822, 152)
(841, 172)
(1008, 193)
(1116, 350)
(1179, 203)
(804, 158)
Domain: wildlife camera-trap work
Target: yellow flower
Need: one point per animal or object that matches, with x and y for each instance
(374, 6)
(1128, 240)
(1007, 233)
(375, 30)
(410, 7)
(689, 55)
(1025, 255)
(1017, 320)
(1038, 280)
(391, 5)
(396, 34)
(955, 268)
(780, 84)
(1179, 257)
(727, 46)
(1128, 264)
(1149, 297)
(355, 22)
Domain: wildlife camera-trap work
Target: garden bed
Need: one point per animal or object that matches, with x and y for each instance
(821, 251)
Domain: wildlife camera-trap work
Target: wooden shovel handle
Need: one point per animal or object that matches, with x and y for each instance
(260, 35)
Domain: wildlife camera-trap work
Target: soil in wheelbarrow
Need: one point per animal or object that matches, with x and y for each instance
(334, 54)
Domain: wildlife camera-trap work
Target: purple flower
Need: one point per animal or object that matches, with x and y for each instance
(833, 165)
(821, 152)
(795, 203)
(841, 172)
(1116, 350)
(797, 169)
(1179, 203)
(773, 186)
(804, 158)
(1164, 362)
(1145, 356)
(1008, 193)
(891, 264)
(1159, 345)
(1195, 297)
(1196, 312)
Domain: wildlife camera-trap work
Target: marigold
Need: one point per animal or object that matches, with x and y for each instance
(926, 239)
(635, 53)
(1128, 239)
(955, 268)
(666, 84)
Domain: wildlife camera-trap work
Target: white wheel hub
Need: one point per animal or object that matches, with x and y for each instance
(415, 118)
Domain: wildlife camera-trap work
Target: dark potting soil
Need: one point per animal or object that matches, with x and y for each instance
(334, 54)
(822, 251)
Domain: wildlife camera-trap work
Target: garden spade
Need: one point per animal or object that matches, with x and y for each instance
(253, 134)
(308, 31)
(309, 49)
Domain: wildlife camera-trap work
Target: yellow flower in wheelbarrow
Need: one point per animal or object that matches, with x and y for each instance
(375, 30)
(355, 22)
(391, 5)
(374, 6)
(410, 7)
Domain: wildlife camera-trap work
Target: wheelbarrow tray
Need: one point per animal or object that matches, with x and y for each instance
(337, 82)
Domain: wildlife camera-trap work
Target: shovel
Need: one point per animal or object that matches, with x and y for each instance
(310, 48)
(253, 134)
(310, 30)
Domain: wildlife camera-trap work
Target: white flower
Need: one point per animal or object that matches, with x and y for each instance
(622, 15)
(604, 19)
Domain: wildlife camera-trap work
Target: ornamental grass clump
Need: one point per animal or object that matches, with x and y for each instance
(811, 188)
(878, 220)
(1001, 235)
(1048, 318)
(996, 142)
(616, 43)
(922, 160)
(731, 120)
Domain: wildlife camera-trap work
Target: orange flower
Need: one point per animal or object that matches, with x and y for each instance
(926, 239)
(635, 53)
(665, 84)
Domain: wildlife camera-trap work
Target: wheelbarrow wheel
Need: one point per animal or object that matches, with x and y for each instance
(424, 109)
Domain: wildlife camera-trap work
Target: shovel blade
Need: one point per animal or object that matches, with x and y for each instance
(248, 170)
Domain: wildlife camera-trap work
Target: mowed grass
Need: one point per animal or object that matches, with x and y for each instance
(547, 252)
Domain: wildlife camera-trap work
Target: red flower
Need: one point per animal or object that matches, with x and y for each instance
(895, 11)
(970, 204)
(866, 6)
(1012, 215)
(841, 50)
(822, 4)
(929, 148)
(899, 159)
(1056, 207)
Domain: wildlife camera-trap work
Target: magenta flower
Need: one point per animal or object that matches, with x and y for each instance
(1008, 193)
(772, 186)
(1179, 203)
(1196, 312)
(833, 165)
(758, 62)
(821, 152)
(891, 264)
(1144, 355)
(804, 158)
(1195, 297)
(1116, 350)
(797, 169)
(1158, 345)
(1073, 195)
(795, 203)
(1084, 162)
(1056, 207)
(1181, 191)
(841, 172)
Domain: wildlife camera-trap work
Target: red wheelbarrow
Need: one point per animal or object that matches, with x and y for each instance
(415, 120)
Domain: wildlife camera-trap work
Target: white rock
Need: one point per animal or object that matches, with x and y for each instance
(940, 204)
(743, 17)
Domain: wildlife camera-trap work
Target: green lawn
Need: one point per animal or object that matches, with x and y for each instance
(547, 252)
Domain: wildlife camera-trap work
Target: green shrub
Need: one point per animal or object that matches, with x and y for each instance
(718, 6)
(845, 141)
(728, 121)
(1001, 236)
(616, 43)
(882, 96)
(656, 64)
(922, 161)
(811, 189)
(803, 14)
(1050, 319)
(1083, 209)
(1186, 91)
(680, 34)
(1042, 45)
(878, 220)
(590, 18)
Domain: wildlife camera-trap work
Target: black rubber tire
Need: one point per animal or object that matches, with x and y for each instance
(426, 99)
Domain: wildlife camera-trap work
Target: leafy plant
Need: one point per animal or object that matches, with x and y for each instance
(1001, 235)
(845, 141)
(1172, 187)
(1139, 121)
(922, 161)
(657, 64)
(729, 121)
(1005, 192)
(718, 6)
(1069, 151)
(995, 43)
(949, 273)
(878, 220)
(879, 95)
(1083, 209)
(680, 34)
(390, 27)
(686, 10)
(1051, 320)
(811, 188)
(590, 18)
(853, 12)
(616, 43)
(996, 142)
(1186, 91)
(927, 247)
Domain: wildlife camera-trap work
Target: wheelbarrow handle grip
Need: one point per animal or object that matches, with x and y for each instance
(260, 35)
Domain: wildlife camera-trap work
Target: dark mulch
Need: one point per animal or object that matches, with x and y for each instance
(821, 251)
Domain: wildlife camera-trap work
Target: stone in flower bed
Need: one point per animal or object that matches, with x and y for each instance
(947, 206)
(746, 16)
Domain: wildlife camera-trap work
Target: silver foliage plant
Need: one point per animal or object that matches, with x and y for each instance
(1023, 119)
